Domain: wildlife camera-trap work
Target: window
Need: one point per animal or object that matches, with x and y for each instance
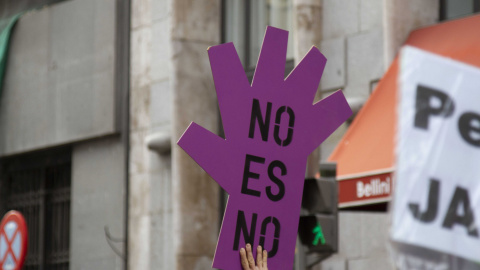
(38, 186)
(452, 9)
(245, 21)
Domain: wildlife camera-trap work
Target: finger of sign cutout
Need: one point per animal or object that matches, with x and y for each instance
(230, 81)
(271, 63)
(333, 110)
(210, 152)
(306, 75)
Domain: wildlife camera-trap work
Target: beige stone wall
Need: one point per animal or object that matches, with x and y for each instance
(196, 196)
(401, 17)
(150, 198)
(173, 218)
(360, 38)
(352, 41)
(308, 26)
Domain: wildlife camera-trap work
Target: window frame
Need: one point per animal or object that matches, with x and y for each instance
(43, 195)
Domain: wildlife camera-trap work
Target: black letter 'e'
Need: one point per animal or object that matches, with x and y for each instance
(248, 174)
(467, 127)
(276, 180)
(423, 108)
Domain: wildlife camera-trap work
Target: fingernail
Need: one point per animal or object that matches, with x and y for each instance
(242, 250)
(248, 245)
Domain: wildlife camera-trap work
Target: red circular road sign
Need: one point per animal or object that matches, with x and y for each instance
(13, 241)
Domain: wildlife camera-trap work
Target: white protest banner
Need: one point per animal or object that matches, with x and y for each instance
(437, 192)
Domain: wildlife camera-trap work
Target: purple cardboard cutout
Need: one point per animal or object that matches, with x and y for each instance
(264, 175)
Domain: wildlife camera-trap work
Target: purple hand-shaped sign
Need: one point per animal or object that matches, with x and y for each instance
(270, 128)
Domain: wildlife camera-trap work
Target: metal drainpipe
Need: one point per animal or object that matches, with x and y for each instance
(123, 86)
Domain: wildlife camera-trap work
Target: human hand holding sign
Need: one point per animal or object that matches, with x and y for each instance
(247, 261)
(270, 129)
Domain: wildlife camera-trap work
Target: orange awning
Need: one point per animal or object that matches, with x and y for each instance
(367, 148)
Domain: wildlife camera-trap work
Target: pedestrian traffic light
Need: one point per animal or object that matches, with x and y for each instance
(318, 227)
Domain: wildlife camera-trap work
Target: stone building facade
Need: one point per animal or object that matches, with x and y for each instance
(111, 85)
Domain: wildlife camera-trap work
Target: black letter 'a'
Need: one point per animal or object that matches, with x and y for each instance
(431, 213)
(460, 198)
(242, 228)
(263, 124)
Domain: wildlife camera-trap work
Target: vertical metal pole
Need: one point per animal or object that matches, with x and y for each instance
(247, 35)
(41, 219)
(300, 257)
(122, 79)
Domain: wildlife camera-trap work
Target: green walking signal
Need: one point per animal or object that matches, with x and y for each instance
(318, 226)
(318, 235)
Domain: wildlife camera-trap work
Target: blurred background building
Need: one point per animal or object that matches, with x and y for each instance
(96, 93)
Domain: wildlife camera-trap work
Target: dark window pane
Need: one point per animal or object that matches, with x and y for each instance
(453, 9)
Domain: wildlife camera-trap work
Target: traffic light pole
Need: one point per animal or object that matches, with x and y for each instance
(311, 171)
(300, 256)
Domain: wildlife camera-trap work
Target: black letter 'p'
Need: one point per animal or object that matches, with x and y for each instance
(424, 108)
